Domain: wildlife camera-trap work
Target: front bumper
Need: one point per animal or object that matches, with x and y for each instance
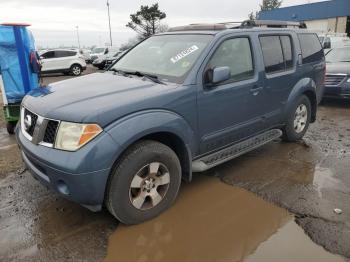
(79, 176)
(340, 91)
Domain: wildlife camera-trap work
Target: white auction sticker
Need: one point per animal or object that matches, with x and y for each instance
(184, 53)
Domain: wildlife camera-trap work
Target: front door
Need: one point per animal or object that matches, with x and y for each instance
(232, 110)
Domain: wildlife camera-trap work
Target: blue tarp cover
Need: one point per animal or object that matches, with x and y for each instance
(16, 43)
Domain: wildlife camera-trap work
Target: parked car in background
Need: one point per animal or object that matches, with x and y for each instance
(86, 54)
(334, 41)
(62, 61)
(99, 52)
(111, 60)
(100, 62)
(337, 82)
(179, 102)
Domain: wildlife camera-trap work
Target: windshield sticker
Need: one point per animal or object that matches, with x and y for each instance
(184, 53)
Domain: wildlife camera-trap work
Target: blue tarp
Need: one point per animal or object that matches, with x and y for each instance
(16, 44)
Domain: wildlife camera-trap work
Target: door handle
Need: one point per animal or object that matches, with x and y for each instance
(256, 89)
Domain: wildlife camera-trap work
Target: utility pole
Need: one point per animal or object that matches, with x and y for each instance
(109, 22)
(77, 27)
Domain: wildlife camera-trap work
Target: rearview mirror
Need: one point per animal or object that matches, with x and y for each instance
(218, 74)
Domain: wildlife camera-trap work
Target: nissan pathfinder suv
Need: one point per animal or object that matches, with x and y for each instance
(179, 102)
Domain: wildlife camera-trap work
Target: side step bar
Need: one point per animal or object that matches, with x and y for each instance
(234, 151)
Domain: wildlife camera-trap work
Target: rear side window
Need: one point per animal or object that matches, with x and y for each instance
(310, 48)
(272, 53)
(236, 54)
(64, 53)
(287, 50)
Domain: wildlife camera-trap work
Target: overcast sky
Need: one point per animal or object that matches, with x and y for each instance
(54, 21)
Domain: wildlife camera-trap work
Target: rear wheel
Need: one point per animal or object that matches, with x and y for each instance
(145, 182)
(76, 70)
(298, 120)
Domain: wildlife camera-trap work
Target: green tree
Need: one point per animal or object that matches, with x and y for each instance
(270, 4)
(146, 21)
(265, 6)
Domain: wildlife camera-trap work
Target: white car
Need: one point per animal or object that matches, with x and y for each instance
(99, 52)
(334, 41)
(62, 61)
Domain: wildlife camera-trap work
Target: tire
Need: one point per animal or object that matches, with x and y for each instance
(131, 195)
(10, 126)
(76, 70)
(298, 120)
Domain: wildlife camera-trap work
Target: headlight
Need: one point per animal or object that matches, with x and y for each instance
(348, 80)
(72, 136)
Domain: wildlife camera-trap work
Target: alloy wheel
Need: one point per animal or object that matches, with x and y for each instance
(149, 186)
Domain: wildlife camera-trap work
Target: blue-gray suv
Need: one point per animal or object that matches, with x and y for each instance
(179, 102)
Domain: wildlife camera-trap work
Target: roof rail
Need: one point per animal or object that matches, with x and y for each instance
(199, 27)
(238, 25)
(271, 23)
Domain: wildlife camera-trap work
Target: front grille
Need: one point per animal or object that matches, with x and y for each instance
(334, 80)
(45, 129)
(33, 119)
(50, 132)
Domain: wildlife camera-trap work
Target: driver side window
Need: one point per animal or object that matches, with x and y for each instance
(236, 54)
(50, 54)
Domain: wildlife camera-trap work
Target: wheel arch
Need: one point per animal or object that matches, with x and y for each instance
(307, 87)
(159, 125)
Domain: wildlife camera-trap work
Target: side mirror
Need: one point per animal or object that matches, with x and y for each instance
(41, 57)
(106, 51)
(326, 45)
(218, 75)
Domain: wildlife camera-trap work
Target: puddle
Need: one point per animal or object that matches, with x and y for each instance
(212, 221)
(289, 244)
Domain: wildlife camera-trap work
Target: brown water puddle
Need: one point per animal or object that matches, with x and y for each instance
(212, 221)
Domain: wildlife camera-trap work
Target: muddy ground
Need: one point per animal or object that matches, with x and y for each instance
(254, 208)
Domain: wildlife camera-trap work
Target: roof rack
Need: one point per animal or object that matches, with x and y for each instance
(271, 23)
(238, 25)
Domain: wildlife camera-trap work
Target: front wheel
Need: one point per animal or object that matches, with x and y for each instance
(76, 70)
(298, 120)
(144, 183)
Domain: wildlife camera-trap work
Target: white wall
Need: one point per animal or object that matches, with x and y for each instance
(333, 25)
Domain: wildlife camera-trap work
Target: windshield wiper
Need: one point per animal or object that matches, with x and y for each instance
(148, 76)
(117, 71)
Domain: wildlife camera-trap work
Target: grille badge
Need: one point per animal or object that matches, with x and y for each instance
(27, 122)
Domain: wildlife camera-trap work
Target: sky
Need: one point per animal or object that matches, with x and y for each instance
(54, 22)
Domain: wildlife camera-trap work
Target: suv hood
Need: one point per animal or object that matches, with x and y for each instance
(97, 98)
(338, 68)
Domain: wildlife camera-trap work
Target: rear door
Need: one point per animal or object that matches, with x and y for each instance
(279, 55)
(64, 58)
(232, 110)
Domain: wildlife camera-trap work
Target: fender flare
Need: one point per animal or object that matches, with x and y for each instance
(131, 128)
(305, 86)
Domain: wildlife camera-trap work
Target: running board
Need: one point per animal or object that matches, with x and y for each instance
(234, 151)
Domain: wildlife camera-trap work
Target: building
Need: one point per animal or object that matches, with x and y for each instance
(323, 17)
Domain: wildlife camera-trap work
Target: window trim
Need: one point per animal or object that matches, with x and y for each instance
(205, 68)
(279, 72)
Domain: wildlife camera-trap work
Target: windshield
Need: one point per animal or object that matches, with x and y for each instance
(98, 50)
(169, 57)
(338, 55)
